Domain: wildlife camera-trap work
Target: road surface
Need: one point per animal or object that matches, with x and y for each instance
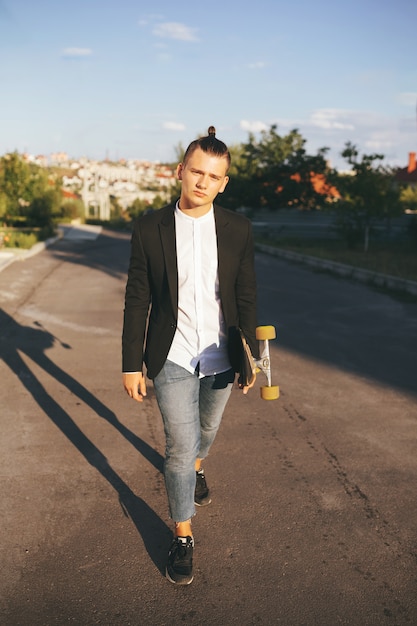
(313, 519)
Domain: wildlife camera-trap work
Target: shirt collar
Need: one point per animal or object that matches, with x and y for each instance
(182, 215)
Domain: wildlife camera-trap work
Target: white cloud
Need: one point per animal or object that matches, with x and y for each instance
(77, 52)
(253, 127)
(408, 98)
(329, 119)
(371, 131)
(173, 126)
(175, 30)
(385, 137)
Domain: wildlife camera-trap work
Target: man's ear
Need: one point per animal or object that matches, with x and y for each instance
(179, 171)
(223, 187)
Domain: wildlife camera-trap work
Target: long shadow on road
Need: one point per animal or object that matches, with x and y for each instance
(341, 323)
(33, 342)
(347, 325)
(109, 253)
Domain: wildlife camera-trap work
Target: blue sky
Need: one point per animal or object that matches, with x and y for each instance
(135, 79)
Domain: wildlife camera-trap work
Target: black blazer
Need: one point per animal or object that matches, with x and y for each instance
(153, 285)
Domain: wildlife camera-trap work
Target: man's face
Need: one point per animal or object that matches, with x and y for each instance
(203, 176)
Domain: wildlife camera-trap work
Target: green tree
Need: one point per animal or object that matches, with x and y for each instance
(275, 171)
(137, 208)
(408, 196)
(369, 195)
(20, 184)
(71, 209)
(300, 172)
(267, 164)
(3, 205)
(159, 201)
(174, 192)
(240, 191)
(179, 151)
(43, 208)
(14, 183)
(116, 209)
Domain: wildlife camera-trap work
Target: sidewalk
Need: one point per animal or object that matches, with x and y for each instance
(74, 232)
(85, 232)
(9, 255)
(347, 271)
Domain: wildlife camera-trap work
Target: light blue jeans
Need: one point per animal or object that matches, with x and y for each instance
(191, 409)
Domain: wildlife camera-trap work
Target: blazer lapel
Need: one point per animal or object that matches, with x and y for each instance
(222, 223)
(167, 231)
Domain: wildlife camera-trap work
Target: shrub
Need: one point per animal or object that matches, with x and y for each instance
(18, 239)
(71, 209)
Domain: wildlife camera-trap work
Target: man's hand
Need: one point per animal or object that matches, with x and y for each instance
(245, 388)
(135, 385)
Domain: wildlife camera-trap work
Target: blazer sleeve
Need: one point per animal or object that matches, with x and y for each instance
(237, 280)
(137, 304)
(245, 292)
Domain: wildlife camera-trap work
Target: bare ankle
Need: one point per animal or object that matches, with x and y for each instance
(183, 529)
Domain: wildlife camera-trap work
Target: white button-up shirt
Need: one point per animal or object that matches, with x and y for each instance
(200, 337)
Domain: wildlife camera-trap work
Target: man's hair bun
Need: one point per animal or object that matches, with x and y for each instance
(209, 144)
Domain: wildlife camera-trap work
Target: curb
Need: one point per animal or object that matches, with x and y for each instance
(346, 271)
(9, 256)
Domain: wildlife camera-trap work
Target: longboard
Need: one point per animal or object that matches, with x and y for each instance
(251, 366)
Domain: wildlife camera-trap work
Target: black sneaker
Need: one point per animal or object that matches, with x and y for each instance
(201, 493)
(179, 568)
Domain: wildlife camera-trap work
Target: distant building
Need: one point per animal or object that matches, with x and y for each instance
(59, 158)
(408, 175)
(95, 182)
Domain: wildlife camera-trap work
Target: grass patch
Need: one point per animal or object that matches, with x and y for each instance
(393, 258)
(22, 238)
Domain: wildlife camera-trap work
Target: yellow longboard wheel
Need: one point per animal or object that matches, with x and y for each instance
(265, 332)
(270, 393)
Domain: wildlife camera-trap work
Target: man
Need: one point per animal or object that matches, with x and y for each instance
(192, 271)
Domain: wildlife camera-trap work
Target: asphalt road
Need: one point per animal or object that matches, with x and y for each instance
(314, 512)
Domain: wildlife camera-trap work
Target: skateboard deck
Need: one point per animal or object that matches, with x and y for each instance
(250, 366)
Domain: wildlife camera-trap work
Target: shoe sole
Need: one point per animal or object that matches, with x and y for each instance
(202, 502)
(186, 581)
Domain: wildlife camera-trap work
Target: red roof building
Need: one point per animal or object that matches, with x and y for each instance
(408, 175)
